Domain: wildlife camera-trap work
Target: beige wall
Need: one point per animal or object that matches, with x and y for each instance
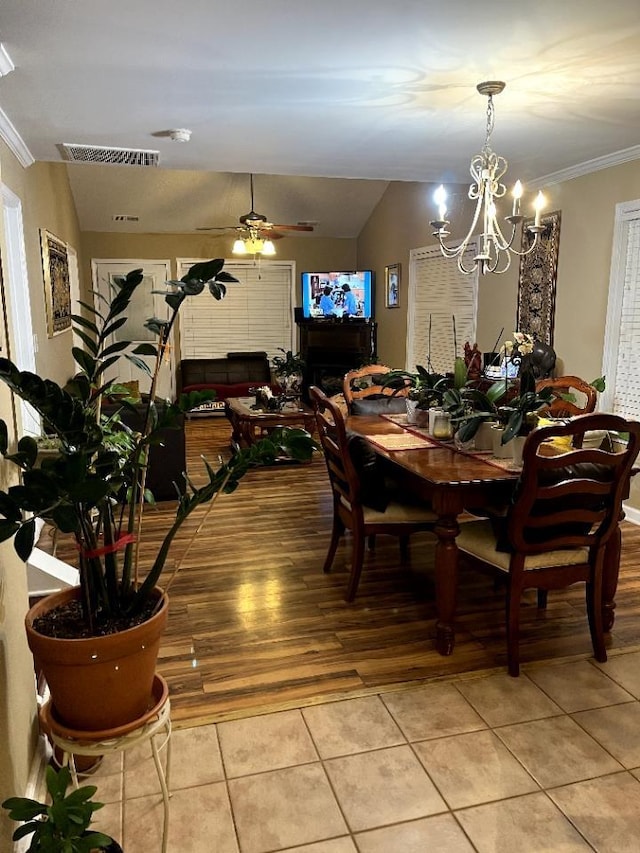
(399, 223)
(46, 199)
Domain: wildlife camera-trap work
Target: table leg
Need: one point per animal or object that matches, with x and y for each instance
(610, 578)
(446, 530)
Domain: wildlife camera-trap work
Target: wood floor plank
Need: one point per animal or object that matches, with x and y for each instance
(255, 624)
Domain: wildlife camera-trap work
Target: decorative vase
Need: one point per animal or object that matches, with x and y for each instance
(98, 682)
(412, 409)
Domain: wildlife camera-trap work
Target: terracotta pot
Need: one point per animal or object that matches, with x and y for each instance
(99, 682)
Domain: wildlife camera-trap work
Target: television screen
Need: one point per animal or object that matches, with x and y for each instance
(337, 294)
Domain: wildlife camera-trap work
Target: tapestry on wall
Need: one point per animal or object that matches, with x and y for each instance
(57, 285)
(537, 281)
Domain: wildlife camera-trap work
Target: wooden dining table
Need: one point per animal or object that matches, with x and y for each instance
(453, 481)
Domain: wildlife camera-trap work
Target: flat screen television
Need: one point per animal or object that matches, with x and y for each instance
(337, 294)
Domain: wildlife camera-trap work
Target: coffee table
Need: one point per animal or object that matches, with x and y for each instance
(250, 424)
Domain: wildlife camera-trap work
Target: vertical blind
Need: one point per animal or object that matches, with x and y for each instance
(256, 313)
(626, 393)
(442, 309)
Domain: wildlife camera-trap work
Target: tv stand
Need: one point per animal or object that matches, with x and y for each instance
(330, 348)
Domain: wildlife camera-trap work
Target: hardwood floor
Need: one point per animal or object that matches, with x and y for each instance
(255, 624)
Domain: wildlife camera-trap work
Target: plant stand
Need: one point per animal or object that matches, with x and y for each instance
(155, 722)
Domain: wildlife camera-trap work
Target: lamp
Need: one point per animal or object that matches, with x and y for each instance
(253, 244)
(487, 168)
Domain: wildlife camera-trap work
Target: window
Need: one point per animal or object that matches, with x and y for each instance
(622, 332)
(256, 313)
(442, 309)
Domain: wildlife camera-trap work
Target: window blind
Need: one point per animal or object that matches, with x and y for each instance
(626, 394)
(442, 309)
(256, 313)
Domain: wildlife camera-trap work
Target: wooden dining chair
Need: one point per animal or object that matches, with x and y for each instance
(560, 406)
(364, 382)
(566, 509)
(361, 502)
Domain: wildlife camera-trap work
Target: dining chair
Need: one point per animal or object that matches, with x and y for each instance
(361, 502)
(560, 406)
(566, 509)
(364, 382)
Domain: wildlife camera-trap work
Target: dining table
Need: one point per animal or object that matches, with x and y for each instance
(454, 481)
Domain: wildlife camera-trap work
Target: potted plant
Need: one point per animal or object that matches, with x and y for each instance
(288, 370)
(426, 390)
(61, 826)
(94, 488)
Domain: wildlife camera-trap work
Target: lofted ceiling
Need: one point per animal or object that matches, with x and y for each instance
(324, 101)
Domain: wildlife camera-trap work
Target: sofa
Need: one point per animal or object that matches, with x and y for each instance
(232, 376)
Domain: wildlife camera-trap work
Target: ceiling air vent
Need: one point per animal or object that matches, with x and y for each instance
(125, 217)
(109, 156)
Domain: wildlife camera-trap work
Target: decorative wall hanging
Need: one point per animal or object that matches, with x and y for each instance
(537, 281)
(392, 286)
(57, 287)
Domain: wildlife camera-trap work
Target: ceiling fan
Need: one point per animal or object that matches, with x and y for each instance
(254, 225)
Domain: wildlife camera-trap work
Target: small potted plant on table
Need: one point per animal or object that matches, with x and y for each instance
(288, 370)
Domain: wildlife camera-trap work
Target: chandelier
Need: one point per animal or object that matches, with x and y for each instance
(253, 243)
(487, 168)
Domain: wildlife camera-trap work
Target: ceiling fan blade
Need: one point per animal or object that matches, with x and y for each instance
(293, 227)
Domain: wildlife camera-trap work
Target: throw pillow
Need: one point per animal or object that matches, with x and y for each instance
(379, 405)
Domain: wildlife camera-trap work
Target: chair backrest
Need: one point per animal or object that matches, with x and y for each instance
(561, 408)
(333, 438)
(355, 386)
(571, 499)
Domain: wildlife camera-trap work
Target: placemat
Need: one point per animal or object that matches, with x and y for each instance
(404, 441)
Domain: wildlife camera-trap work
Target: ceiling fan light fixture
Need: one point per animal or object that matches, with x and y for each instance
(239, 247)
(268, 248)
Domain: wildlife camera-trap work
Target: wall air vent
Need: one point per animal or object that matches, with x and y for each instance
(125, 217)
(109, 156)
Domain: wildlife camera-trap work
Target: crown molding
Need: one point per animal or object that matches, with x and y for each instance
(15, 142)
(586, 168)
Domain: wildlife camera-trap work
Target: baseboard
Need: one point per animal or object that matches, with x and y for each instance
(631, 514)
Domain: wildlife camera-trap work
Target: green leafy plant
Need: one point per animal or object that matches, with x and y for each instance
(518, 415)
(288, 364)
(469, 407)
(94, 487)
(428, 389)
(61, 826)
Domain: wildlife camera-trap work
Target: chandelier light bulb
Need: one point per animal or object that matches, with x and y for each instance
(516, 192)
(239, 247)
(440, 198)
(268, 248)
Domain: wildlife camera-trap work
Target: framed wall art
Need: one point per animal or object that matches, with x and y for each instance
(537, 280)
(57, 286)
(392, 286)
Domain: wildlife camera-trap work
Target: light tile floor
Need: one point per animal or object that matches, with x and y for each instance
(488, 763)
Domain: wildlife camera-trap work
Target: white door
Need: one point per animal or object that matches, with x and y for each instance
(144, 305)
